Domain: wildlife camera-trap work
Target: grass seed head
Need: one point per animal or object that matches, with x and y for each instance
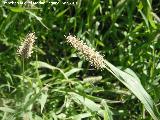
(90, 54)
(25, 49)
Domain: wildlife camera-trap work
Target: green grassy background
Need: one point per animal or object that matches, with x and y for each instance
(126, 32)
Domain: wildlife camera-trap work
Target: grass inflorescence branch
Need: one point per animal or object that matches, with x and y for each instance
(25, 49)
(90, 54)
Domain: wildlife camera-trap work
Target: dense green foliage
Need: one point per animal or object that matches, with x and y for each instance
(56, 82)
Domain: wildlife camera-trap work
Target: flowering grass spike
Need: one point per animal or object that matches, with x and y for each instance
(90, 54)
(25, 50)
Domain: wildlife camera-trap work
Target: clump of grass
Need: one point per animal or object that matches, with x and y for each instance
(128, 80)
(25, 51)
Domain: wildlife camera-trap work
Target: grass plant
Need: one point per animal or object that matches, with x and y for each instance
(114, 76)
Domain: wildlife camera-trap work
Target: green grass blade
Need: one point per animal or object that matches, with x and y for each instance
(94, 107)
(46, 65)
(72, 71)
(137, 89)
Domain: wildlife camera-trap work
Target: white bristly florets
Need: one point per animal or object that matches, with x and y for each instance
(25, 50)
(90, 54)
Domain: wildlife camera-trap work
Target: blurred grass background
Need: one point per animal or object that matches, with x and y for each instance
(126, 32)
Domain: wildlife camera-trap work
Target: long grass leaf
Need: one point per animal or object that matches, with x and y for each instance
(133, 85)
(94, 107)
(46, 65)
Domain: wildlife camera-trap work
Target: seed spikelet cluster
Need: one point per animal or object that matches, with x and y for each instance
(25, 49)
(90, 54)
